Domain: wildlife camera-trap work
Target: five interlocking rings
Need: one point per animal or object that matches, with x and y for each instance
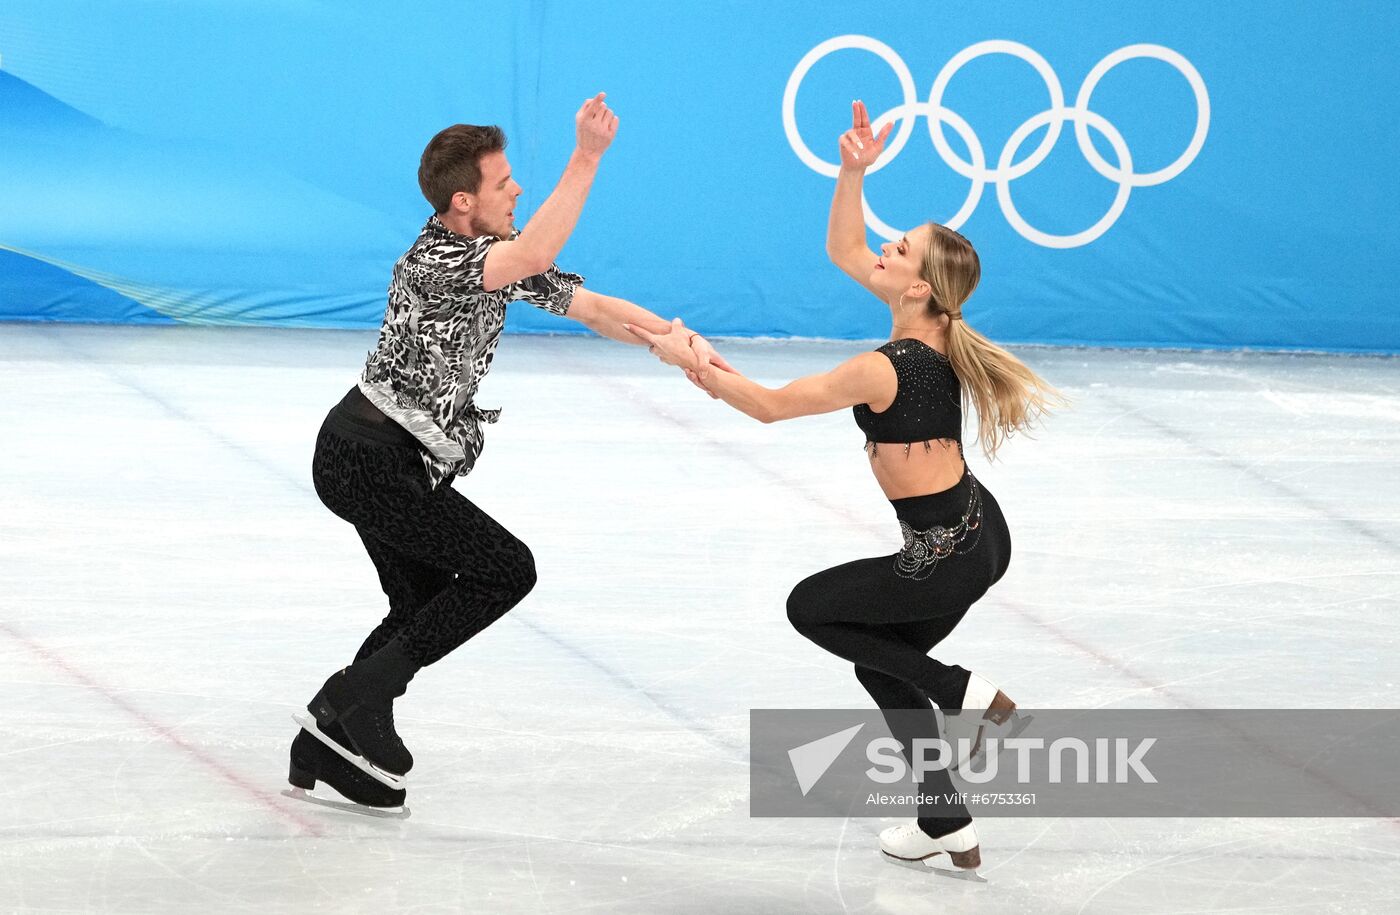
(1007, 169)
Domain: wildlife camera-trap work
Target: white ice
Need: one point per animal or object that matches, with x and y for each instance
(1197, 530)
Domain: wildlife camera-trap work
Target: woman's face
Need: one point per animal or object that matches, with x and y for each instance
(897, 268)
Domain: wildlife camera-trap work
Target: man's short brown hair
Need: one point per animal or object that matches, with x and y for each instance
(452, 162)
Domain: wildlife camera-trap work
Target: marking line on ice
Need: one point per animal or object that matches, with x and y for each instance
(54, 659)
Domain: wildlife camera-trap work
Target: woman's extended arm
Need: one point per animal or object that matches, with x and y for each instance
(845, 226)
(867, 378)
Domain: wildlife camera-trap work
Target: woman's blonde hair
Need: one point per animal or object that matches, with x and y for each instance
(1007, 395)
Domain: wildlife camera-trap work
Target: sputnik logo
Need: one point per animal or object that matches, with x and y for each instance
(811, 760)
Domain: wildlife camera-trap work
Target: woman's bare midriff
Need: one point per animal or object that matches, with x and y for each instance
(918, 472)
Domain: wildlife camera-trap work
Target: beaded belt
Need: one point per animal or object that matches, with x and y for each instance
(922, 550)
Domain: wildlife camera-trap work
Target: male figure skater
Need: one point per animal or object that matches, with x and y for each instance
(387, 454)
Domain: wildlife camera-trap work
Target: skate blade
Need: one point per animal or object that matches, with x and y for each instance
(1019, 723)
(383, 813)
(927, 866)
(308, 723)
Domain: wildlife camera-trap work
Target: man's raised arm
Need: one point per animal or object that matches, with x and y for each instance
(544, 235)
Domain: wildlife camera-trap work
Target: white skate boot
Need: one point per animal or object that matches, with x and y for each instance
(909, 845)
(965, 728)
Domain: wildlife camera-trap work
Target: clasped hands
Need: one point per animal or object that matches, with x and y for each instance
(680, 346)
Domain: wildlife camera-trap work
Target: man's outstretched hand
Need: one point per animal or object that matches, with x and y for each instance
(672, 347)
(682, 347)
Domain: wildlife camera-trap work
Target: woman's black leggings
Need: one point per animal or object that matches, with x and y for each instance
(448, 568)
(886, 624)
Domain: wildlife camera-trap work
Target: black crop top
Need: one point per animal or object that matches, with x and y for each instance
(927, 404)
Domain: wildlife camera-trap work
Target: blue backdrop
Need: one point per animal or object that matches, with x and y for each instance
(234, 162)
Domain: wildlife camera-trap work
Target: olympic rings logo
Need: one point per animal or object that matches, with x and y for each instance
(1007, 168)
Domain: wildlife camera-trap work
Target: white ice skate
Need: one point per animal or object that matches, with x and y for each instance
(308, 723)
(965, 729)
(909, 846)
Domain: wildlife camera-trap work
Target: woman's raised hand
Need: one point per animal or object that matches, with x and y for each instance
(860, 147)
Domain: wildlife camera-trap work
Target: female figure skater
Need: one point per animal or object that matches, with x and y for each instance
(885, 614)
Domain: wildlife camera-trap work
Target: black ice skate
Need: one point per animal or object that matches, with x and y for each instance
(367, 724)
(312, 760)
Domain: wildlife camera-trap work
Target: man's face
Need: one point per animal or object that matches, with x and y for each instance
(493, 205)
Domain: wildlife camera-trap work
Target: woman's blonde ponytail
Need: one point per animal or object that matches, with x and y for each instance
(1006, 394)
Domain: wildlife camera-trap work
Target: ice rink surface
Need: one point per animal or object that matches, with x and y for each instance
(1199, 530)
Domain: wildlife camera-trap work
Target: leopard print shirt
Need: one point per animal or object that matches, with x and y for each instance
(440, 332)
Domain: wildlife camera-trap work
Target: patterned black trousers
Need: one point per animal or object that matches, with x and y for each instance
(448, 568)
(886, 624)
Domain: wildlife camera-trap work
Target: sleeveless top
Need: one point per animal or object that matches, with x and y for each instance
(927, 403)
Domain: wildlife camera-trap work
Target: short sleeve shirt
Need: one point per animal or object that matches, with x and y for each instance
(440, 332)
